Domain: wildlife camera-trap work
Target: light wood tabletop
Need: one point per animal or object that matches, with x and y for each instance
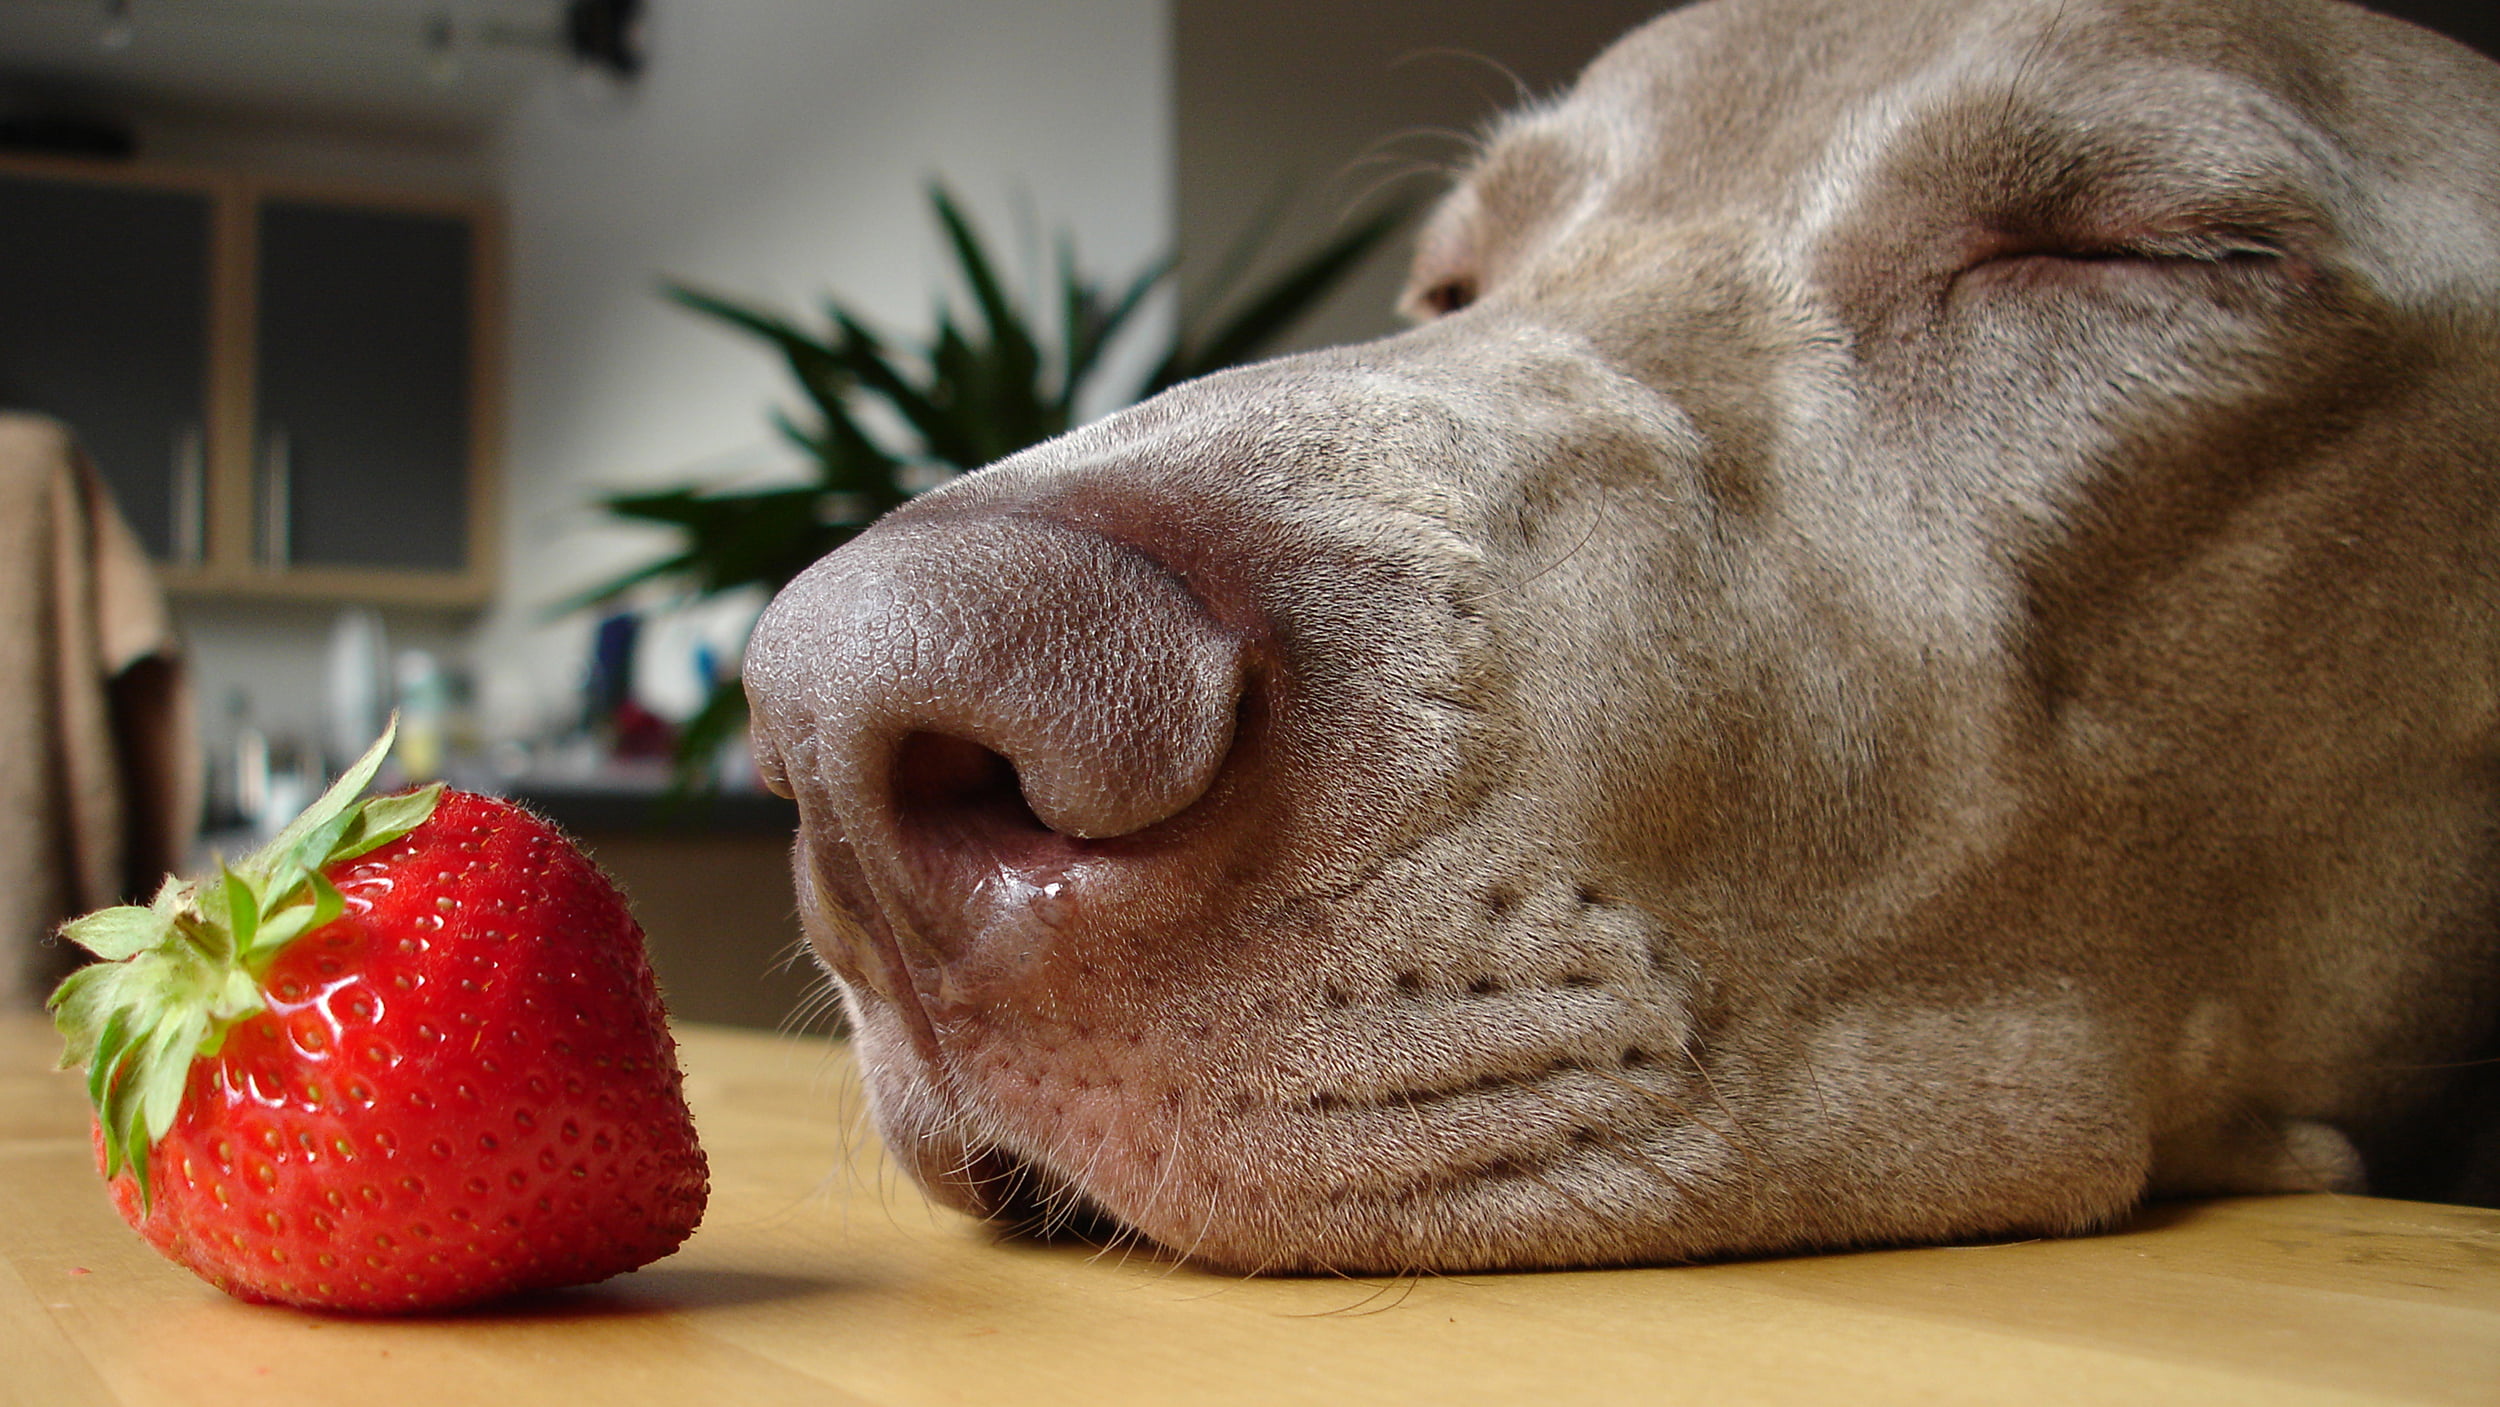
(820, 1277)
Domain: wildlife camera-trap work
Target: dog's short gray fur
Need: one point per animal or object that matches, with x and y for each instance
(1908, 653)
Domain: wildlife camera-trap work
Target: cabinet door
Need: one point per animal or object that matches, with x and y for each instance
(104, 324)
(363, 386)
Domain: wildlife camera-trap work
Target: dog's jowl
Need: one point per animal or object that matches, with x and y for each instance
(1910, 650)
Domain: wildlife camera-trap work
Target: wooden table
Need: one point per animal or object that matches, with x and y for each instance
(820, 1277)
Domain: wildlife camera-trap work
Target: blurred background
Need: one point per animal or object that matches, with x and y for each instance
(356, 306)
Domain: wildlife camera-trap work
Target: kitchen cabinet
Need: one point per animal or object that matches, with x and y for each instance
(292, 391)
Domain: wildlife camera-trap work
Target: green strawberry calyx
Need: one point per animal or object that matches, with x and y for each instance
(179, 971)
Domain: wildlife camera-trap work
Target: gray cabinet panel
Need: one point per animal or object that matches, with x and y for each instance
(104, 324)
(364, 366)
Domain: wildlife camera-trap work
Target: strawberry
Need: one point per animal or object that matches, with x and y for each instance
(408, 1056)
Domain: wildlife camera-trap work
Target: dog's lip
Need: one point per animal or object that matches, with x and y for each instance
(885, 971)
(1013, 915)
(998, 900)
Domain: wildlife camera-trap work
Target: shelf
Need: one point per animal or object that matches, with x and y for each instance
(362, 586)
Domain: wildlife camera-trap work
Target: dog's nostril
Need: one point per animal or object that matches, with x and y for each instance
(934, 770)
(949, 791)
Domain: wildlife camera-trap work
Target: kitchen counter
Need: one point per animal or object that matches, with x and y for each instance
(821, 1277)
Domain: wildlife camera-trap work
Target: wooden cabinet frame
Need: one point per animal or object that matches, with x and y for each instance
(228, 566)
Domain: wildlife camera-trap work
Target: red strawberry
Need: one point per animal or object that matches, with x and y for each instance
(408, 1056)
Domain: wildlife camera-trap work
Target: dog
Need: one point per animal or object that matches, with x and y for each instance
(1908, 652)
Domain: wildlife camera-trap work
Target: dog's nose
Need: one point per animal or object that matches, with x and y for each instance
(979, 694)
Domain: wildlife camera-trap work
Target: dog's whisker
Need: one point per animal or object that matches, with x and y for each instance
(1736, 1121)
(1685, 1112)
(1588, 534)
(1520, 94)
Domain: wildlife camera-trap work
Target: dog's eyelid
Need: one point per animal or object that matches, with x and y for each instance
(2210, 239)
(2186, 243)
(2159, 249)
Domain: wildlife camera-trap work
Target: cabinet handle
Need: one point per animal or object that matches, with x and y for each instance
(277, 493)
(190, 496)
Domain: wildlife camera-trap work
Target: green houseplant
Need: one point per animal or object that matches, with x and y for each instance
(972, 392)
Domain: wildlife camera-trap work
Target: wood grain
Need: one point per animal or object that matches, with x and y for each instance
(820, 1277)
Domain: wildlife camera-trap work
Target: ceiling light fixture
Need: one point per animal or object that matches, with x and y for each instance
(605, 35)
(603, 38)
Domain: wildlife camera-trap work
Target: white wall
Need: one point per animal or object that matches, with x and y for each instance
(1336, 107)
(776, 149)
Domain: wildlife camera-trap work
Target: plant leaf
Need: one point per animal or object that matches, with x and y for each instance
(699, 742)
(818, 366)
(614, 587)
(1089, 324)
(1013, 351)
(945, 435)
(974, 390)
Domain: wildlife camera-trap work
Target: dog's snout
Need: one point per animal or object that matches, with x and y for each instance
(992, 696)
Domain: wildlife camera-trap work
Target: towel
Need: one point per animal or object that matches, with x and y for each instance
(99, 762)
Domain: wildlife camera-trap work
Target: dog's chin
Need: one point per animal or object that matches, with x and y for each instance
(1506, 1172)
(1018, 1197)
(1022, 1200)
(1502, 1217)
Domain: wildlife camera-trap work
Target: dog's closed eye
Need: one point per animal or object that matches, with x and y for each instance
(2083, 262)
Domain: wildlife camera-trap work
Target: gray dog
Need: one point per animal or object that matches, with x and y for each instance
(1911, 652)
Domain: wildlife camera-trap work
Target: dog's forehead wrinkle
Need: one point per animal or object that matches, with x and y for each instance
(1866, 133)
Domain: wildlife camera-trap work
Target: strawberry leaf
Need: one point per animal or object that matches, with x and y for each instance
(111, 1044)
(385, 819)
(242, 909)
(277, 931)
(180, 972)
(79, 1008)
(199, 934)
(117, 933)
(294, 921)
(279, 882)
(163, 1069)
(120, 1117)
(237, 998)
(341, 795)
